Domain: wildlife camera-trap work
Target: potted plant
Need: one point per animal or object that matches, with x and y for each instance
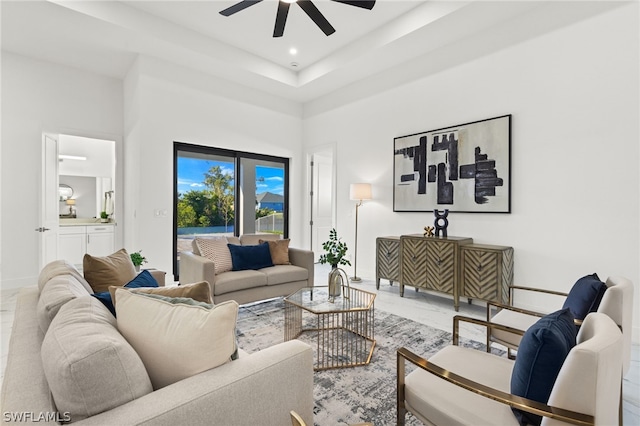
(335, 251)
(138, 259)
(104, 217)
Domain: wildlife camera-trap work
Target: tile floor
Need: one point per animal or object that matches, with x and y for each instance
(435, 311)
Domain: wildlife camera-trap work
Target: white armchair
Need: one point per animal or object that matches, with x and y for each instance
(464, 386)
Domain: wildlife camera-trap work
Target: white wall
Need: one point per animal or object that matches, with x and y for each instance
(42, 97)
(166, 104)
(573, 94)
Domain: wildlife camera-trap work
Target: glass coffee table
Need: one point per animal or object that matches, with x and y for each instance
(341, 331)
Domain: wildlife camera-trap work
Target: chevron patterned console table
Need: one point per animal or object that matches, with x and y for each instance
(449, 265)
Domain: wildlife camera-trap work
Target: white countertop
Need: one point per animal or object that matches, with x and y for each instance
(83, 221)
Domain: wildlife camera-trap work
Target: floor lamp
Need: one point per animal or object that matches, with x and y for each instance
(358, 192)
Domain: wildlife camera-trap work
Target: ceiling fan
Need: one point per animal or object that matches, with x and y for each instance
(307, 6)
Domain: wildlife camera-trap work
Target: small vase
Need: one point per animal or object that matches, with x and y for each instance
(137, 268)
(335, 282)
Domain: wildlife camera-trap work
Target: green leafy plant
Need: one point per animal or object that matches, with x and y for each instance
(335, 251)
(137, 258)
(104, 215)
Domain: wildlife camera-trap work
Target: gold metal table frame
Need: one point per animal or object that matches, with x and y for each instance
(343, 329)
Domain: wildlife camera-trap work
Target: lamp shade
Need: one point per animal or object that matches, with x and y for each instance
(360, 191)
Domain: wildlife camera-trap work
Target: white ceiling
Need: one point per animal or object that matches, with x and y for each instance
(107, 36)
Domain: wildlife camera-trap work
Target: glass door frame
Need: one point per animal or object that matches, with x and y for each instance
(237, 156)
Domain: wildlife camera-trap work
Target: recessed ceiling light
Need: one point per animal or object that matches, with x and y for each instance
(293, 51)
(289, 1)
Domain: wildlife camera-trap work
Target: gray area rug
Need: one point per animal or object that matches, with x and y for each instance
(357, 394)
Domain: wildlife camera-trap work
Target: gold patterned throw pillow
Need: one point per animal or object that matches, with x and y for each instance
(216, 250)
(200, 291)
(279, 250)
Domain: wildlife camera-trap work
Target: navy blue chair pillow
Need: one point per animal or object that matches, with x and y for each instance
(541, 353)
(250, 257)
(585, 296)
(143, 279)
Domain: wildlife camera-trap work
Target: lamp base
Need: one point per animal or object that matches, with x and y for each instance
(355, 279)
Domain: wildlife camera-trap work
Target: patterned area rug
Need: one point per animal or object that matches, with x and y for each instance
(358, 394)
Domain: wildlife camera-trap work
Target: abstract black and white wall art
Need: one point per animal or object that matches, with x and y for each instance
(464, 168)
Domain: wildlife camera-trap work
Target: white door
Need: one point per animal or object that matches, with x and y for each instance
(49, 202)
(322, 200)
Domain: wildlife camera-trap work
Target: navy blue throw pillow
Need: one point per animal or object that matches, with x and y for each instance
(585, 296)
(105, 298)
(541, 353)
(143, 279)
(250, 257)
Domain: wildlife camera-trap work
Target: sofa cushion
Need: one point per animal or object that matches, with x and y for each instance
(254, 239)
(216, 250)
(281, 274)
(541, 353)
(250, 257)
(101, 272)
(238, 280)
(89, 366)
(200, 291)
(279, 250)
(57, 291)
(585, 296)
(175, 340)
(60, 267)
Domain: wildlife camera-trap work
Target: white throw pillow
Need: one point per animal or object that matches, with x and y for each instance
(216, 250)
(176, 340)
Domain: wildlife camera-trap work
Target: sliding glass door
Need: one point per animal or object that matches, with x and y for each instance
(222, 192)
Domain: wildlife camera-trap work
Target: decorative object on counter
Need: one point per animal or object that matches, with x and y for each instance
(428, 231)
(466, 168)
(337, 279)
(138, 259)
(441, 222)
(71, 202)
(358, 192)
(107, 205)
(104, 217)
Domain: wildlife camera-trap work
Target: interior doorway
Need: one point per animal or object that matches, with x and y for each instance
(322, 196)
(76, 173)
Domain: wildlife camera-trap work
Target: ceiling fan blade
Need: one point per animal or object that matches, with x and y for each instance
(238, 7)
(317, 17)
(281, 18)
(365, 4)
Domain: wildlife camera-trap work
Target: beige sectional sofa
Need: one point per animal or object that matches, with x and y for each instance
(249, 285)
(109, 382)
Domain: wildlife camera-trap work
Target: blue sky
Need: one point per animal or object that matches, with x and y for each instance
(191, 175)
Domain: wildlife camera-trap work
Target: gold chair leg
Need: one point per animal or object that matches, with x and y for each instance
(402, 411)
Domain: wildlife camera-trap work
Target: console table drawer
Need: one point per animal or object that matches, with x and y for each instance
(387, 259)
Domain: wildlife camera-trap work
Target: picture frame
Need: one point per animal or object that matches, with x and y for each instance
(464, 168)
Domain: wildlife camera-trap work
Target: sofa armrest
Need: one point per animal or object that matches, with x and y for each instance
(304, 259)
(194, 268)
(239, 393)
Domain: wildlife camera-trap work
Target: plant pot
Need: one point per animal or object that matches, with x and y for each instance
(104, 220)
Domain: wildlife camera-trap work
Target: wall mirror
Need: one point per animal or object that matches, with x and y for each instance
(64, 192)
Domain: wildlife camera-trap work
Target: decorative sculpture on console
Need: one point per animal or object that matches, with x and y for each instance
(441, 222)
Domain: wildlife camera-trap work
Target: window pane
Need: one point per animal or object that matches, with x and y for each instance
(205, 206)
